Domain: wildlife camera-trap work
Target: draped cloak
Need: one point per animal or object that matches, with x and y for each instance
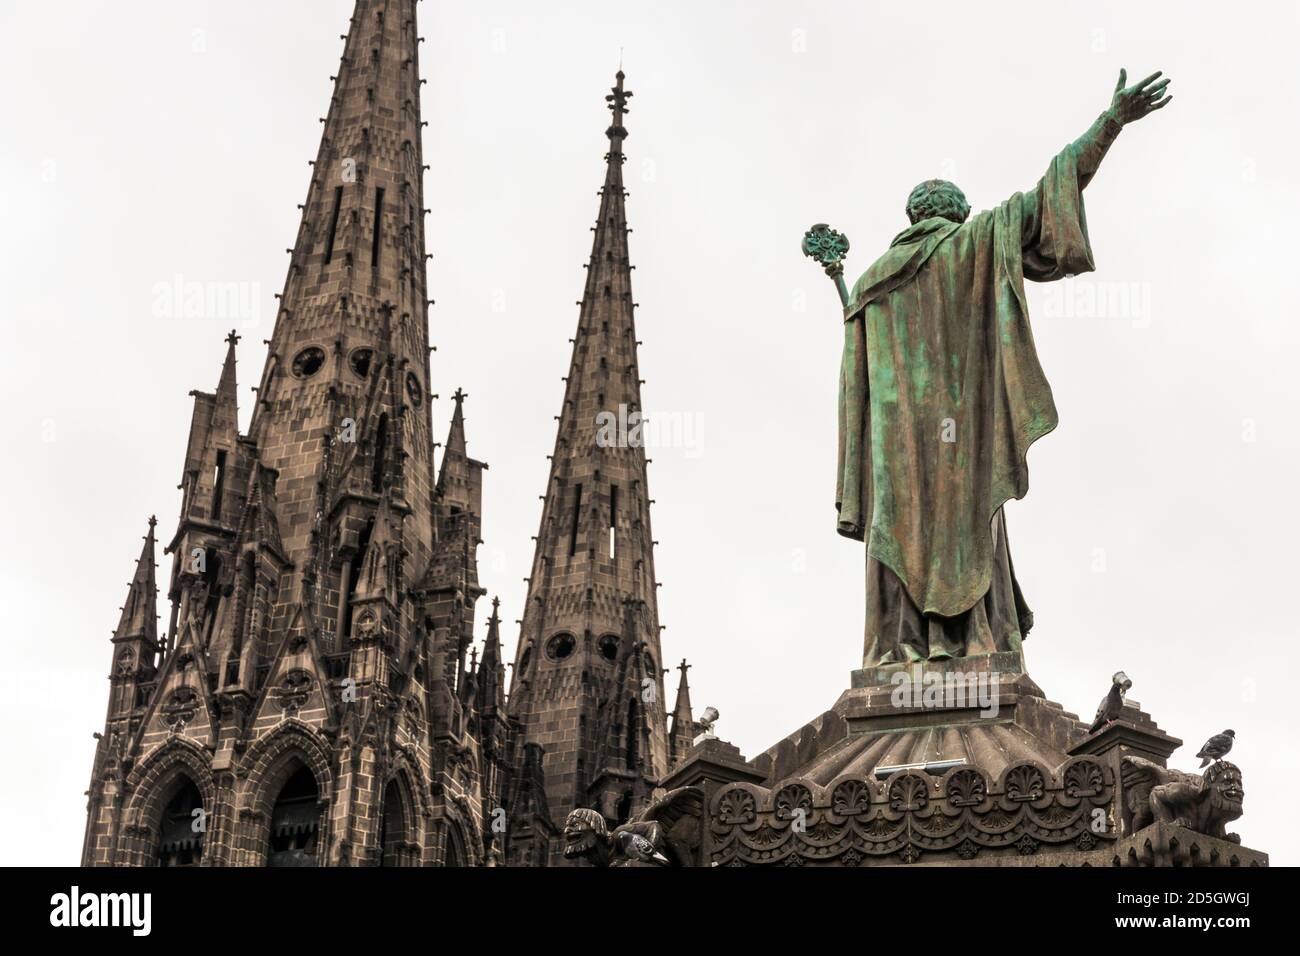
(941, 391)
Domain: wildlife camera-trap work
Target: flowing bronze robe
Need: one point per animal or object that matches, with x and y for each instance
(941, 395)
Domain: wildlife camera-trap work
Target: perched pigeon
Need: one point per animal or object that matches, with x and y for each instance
(1113, 703)
(709, 718)
(637, 847)
(1217, 747)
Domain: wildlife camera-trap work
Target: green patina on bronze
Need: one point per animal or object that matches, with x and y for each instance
(941, 390)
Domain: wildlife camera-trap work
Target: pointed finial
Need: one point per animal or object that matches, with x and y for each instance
(460, 396)
(617, 100)
(233, 338)
(683, 667)
(153, 521)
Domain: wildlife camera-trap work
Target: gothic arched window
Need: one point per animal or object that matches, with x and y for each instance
(396, 846)
(181, 831)
(453, 847)
(295, 820)
(353, 575)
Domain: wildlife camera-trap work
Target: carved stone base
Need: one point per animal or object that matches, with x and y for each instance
(1011, 663)
(984, 710)
(951, 763)
(1163, 844)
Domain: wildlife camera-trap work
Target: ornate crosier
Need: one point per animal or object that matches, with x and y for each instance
(829, 248)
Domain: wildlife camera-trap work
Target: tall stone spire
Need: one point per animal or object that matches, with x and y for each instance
(315, 641)
(587, 685)
(350, 345)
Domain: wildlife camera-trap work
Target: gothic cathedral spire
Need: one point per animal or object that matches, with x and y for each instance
(587, 685)
(323, 588)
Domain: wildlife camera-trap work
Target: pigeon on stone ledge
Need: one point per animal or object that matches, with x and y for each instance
(1112, 704)
(637, 847)
(1217, 747)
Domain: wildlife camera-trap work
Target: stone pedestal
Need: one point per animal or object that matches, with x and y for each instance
(1005, 662)
(710, 763)
(1132, 733)
(985, 710)
(1163, 844)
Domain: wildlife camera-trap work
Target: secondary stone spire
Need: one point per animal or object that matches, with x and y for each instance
(135, 640)
(492, 669)
(587, 685)
(139, 619)
(682, 734)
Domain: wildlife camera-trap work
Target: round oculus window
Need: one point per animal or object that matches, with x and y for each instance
(359, 361)
(308, 362)
(560, 646)
(413, 389)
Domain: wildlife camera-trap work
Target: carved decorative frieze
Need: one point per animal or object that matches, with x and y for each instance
(912, 816)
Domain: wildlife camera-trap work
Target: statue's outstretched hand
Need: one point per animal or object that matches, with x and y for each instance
(1134, 102)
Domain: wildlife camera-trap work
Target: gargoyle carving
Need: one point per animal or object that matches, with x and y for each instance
(1204, 803)
(666, 833)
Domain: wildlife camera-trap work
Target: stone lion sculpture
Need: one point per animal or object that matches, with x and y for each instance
(1203, 803)
(666, 833)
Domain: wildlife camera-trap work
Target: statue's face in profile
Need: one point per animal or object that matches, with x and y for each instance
(583, 832)
(937, 197)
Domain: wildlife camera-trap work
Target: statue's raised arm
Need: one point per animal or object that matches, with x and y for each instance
(1128, 105)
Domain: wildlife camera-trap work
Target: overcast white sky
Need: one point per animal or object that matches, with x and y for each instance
(147, 141)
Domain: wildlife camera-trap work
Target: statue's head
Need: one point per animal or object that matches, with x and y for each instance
(937, 197)
(585, 833)
(1223, 781)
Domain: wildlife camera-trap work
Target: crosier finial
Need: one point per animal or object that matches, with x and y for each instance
(829, 248)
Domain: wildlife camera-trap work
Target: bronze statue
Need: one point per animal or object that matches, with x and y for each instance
(1203, 803)
(666, 833)
(941, 395)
